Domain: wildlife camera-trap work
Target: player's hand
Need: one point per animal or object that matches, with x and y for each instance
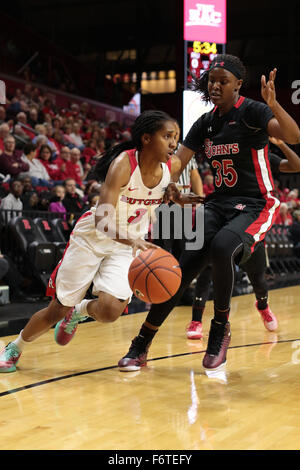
(276, 141)
(268, 88)
(140, 244)
(173, 194)
(189, 198)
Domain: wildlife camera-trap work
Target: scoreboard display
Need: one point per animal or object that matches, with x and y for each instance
(199, 55)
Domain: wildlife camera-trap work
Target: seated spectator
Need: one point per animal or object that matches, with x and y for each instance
(295, 232)
(64, 163)
(12, 202)
(30, 201)
(4, 132)
(56, 205)
(52, 167)
(33, 117)
(76, 170)
(48, 108)
(76, 136)
(293, 200)
(284, 217)
(49, 134)
(22, 118)
(92, 149)
(67, 135)
(37, 171)
(29, 196)
(92, 186)
(10, 161)
(44, 201)
(208, 184)
(93, 199)
(72, 201)
(39, 141)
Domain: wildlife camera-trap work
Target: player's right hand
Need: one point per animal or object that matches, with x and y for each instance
(140, 244)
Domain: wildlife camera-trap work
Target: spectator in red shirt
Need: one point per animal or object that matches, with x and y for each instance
(22, 118)
(76, 170)
(64, 163)
(52, 167)
(48, 108)
(10, 161)
(284, 217)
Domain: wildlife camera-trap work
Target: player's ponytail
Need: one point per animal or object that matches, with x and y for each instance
(147, 123)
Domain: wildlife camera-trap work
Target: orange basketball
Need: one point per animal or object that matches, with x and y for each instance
(154, 276)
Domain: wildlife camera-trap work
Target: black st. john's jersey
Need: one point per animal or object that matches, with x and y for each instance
(236, 147)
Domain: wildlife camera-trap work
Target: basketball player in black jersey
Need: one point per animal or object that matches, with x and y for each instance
(255, 266)
(241, 210)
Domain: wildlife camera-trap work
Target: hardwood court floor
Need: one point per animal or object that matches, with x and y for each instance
(74, 397)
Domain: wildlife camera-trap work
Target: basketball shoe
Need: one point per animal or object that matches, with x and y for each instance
(268, 318)
(9, 357)
(218, 342)
(194, 330)
(66, 328)
(136, 356)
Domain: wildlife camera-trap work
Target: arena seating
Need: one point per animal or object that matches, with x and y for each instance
(40, 255)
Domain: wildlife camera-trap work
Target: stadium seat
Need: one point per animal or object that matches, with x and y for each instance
(39, 254)
(49, 233)
(63, 229)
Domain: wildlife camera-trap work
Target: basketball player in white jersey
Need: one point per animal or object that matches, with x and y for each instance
(104, 242)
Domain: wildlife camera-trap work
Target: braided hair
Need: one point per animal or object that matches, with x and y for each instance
(148, 122)
(200, 84)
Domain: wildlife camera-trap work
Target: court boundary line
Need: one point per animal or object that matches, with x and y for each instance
(92, 371)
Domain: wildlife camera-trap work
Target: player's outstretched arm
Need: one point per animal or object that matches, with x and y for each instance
(282, 126)
(179, 161)
(173, 194)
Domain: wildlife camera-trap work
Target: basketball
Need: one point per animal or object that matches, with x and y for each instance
(154, 276)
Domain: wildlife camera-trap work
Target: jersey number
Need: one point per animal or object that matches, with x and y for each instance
(134, 219)
(224, 172)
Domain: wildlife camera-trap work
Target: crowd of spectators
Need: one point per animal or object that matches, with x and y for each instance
(46, 153)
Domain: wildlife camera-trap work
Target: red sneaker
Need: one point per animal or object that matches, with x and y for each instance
(218, 342)
(136, 356)
(268, 318)
(9, 357)
(194, 330)
(66, 328)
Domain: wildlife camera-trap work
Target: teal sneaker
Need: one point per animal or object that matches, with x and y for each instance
(9, 357)
(66, 328)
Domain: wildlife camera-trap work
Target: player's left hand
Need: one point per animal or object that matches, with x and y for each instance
(173, 194)
(268, 88)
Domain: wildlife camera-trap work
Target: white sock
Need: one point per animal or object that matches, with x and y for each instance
(82, 307)
(19, 342)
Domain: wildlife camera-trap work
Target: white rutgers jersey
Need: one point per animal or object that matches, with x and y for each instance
(137, 203)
